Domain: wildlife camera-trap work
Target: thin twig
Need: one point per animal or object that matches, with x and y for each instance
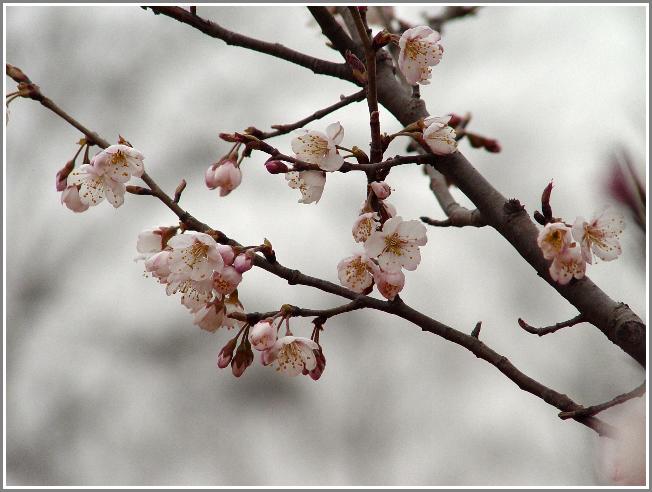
(318, 66)
(294, 311)
(595, 409)
(283, 129)
(450, 13)
(552, 328)
(476, 331)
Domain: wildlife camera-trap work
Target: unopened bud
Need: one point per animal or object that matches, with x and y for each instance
(360, 155)
(230, 137)
(226, 354)
(62, 175)
(244, 356)
(381, 39)
(357, 67)
(545, 202)
(17, 74)
(243, 262)
(381, 189)
(276, 167)
(138, 190)
(267, 250)
(492, 145)
(455, 120)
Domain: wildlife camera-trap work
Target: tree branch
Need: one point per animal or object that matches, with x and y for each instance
(294, 311)
(318, 66)
(595, 409)
(553, 328)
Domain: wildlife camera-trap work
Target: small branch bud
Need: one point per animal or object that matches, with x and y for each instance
(545, 202)
(267, 250)
(274, 166)
(179, 190)
(16, 74)
(138, 190)
(381, 39)
(357, 67)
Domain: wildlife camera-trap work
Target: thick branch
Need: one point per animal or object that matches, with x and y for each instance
(595, 409)
(322, 67)
(396, 307)
(553, 328)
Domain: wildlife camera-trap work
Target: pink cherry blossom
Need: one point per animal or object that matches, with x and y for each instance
(194, 294)
(262, 335)
(291, 355)
(566, 265)
(225, 175)
(94, 186)
(194, 256)
(420, 50)
(319, 148)
(354, 272)
(70, 198)
(381, 189)
(439, 136)
(364, 225)
(397, 245)
(310, 184)
(226, 280)
(209, 317)
(150, 240)
(389, 284)
(158, 265)
(599, 236)
(119, 162)
(244, 261)
(554, 239)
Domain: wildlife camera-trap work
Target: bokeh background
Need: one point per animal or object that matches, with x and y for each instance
(108, 381)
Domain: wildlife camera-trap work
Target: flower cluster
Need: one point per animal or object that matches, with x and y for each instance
(599, 237)
(318, 148)
(390, 245)
(224, 174)
(420, 50)
(205, 273)
(104, 177)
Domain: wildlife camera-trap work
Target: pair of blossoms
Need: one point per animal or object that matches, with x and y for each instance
(320, 148)
(388, 248)
(104, 177)
(598, 236)
(207, 275)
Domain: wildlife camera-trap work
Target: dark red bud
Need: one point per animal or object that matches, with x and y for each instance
(381, 39)
(274, 166)
(230, 137)
(357, 67)
(62, 175)
(455, 120)
(226, 354)
(492, 145)
(545, 201)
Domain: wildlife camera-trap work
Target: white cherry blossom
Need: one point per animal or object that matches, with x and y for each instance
(600, 235)
(226, 280)
(158, 265)
(420, 50)
(566, 265)
(389, 284)
(397, 245)
(70, 198)
(439, 136)
(194, 294)
(291, 355)
(232, 305)
(554, 239)
(194, 256)
(119, 162)
(94, 186)
(210, 316)
(364, 225)
(354, 272)
(319, 148)
(309, 183)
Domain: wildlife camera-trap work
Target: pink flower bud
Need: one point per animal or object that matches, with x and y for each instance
(228, 255)
(226, 354)
(276, 167)
(263, 335)
(243, 262)
(389, 284)
(381, 189)
(225, 175)
(62, 175)
(244, 356)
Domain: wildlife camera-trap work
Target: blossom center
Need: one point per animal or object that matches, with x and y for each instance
(119, 159)
(394, 244)
(314, 145)
(556, 239)
(289, 357)
(414, 49)
(195, 253)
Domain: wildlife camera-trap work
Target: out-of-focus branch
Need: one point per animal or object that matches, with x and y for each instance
(450, 13)
(396, 307)
(552, 328)
(318, 66)
(294, 311)
(283, 129)
(458, 216)
(595, 409)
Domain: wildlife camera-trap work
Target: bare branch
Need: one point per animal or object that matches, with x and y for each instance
(450, 13)
(318, 66)
(294, 311)
(553, 328)
(595, 409)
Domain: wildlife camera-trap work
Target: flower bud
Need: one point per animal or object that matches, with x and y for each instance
(62, 175)
(316, 373)
(244, 356)
(381, 189)
(357, 67)
(263, 335)
(381, 39)
(243, 262)
(276, 167)
(228, 255)
(226, 354)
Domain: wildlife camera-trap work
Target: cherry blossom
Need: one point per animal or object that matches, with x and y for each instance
(70, 198)
(232, 305)
(310, 184)
(94, 186)
(119, 162)
(354, 272)
(439, 136)
(244, 262)
(599, 236)
(420, 50)
(319, 148)
(228, 255)
(320, 365)
(364, 225)
(566, 265)
(194, 256)
(225, 175)
(262, 335)
(381, 189)
(397, 245)
(226, 280)
(291, 355)
(158, 265)
(554, 239)
(194, 294)
(210, 316)
(389, 284)
(152, 241)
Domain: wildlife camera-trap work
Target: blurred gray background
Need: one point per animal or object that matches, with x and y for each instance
(108, 381)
